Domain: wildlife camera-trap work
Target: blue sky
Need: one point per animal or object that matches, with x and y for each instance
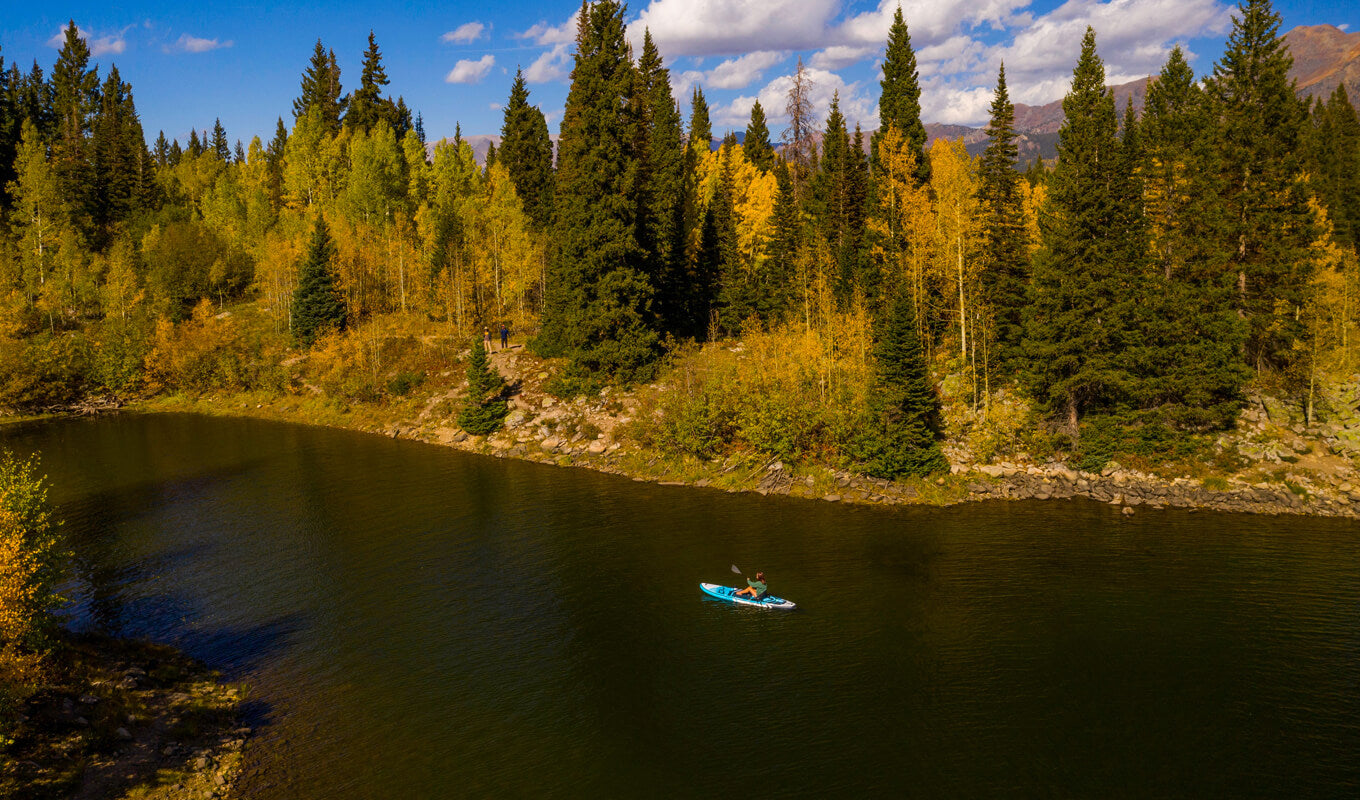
(454, 61)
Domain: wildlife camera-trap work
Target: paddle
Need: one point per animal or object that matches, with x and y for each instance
(739, 572)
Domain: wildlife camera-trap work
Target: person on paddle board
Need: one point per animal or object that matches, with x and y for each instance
(754, 588)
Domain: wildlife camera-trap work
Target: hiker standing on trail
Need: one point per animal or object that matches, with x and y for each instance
(505, 336)
(486, 339)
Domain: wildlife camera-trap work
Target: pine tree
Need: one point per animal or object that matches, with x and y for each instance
(900, 103)
(902, 438)
(718, 261)
(527, 153)
(1006, 253)
(321, 89)
(486, 410)
(420, 127)
(1191, 336)
(780, 268)
(318, 306)
(700, 129)
(1270, 224)
(666, 214)
(597, 306)
(162, 150)
(219, 147)
(1334, 164)
(757, 140)
(365, 104)
(75, 89)
(119, 156)
(1082, 295)
(840, 192)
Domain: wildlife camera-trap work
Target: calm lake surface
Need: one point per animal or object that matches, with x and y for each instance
(419, 623)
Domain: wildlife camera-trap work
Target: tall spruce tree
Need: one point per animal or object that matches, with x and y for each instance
(899, 105)
(318, 306)
(366, 104)
(321, 89)
(718, 277)
(902, 437)
(220, 148)
(75, 90)
(1083, 293)
(840, 192)
(1005, 268)
(1191, 336)
(1334, 164)
(665, 217)
(1270, 226)
(120, 168)
(597, 308)
(756, 143)
(527, 153)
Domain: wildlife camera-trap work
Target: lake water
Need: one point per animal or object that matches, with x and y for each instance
(417, 622)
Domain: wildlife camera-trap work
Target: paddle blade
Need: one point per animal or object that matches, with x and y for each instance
(734, 569)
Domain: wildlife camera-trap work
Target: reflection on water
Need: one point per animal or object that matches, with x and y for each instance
(424, 623)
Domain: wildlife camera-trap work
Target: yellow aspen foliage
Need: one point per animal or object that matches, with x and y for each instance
(953, 180)
(29, 561)
(906, 227)
(205, 352)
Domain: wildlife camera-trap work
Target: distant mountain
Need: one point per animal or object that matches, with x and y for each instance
(1325, 56)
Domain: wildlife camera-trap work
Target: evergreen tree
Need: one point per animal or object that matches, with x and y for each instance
(776, 295)
(1006, 254)
(1334, 164)
(195, 146)
(1270, 226)
(119, 152)
(597, 306)
(486, 410)
(799, 149)
(1191, 337)
(902, 437)
(274, 164)
(318, 306)
(718, 279)
(900, 103)
(757, 141)
(219, 148)
(162, 150)
(75, 88)
(666, 170)
(420, 127)
(841, 193)
(1083, 294)
(176, 153)
(527, 153)
(321, 89)
(365, 104)
(700, 130)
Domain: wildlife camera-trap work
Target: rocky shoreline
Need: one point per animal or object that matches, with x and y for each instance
(126, 719)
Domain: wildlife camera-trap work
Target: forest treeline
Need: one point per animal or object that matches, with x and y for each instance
(1133, 288)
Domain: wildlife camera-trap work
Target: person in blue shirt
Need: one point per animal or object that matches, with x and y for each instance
(754, 588)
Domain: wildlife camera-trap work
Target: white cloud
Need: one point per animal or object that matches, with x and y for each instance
(467, 32)
(554, 65)
(494, 106)
(193, 44)
(857, 104)
(470, 71)
(543, 33)
(722, 27)
(734, 73)
(103, 45)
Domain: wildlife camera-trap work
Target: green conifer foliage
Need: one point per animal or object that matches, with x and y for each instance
(1083, 292)
(121, 170)
(366, 106)
(318, 306)
(1270, 226)
(527, 153)
(902, 438)
(75, 89)
(1334, 164)
(597, 308)
(756, 143)
(486, 409)
(1006, 254)
(664, 217)
(900, 103)
(700, 129)
(1191, 337)
(321, 89)
(840, 192)
(219, 147)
